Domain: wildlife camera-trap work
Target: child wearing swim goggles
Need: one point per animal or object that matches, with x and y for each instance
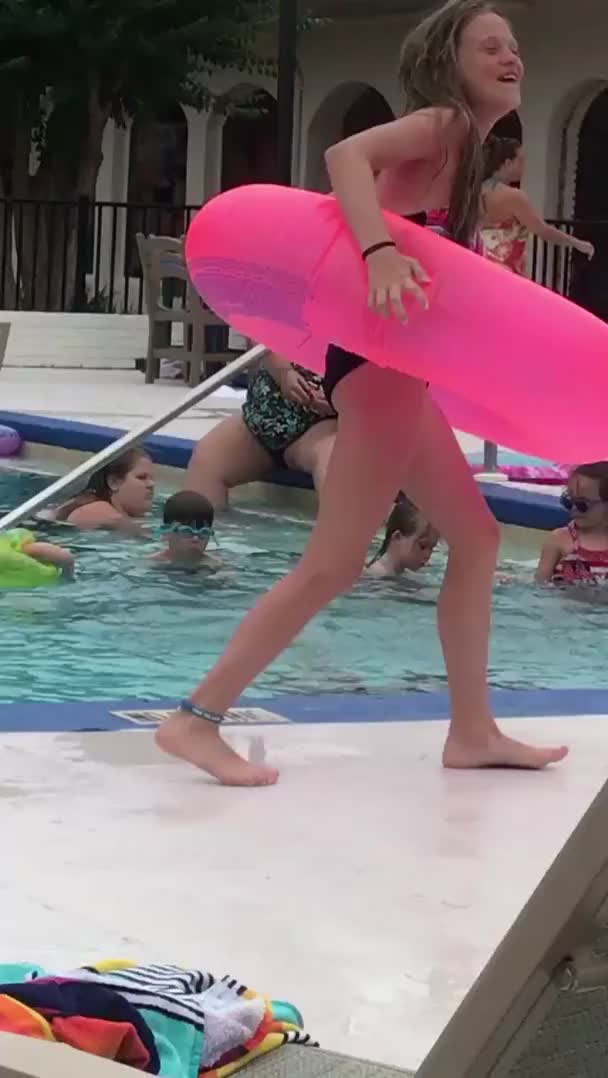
(186, 530)
(578, 553)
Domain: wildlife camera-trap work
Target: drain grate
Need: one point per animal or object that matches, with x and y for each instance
(237, 716)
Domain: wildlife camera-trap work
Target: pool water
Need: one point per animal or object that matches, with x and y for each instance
(126, 630)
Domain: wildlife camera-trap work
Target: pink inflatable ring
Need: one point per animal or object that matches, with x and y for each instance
(281, 266)
(10, 442)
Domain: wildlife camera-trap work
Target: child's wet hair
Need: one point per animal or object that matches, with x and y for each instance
(496, 153)
(430, 79)
(597, 471)
(99, 486)
(404, 519)
(189, 508)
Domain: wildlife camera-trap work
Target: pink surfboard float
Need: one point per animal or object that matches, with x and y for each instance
(281, 266)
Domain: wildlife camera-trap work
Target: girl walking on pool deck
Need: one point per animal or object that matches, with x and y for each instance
(461, 73)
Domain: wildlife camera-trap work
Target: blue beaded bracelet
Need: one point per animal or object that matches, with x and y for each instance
(201, 712)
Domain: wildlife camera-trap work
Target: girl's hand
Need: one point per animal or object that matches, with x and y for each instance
(320, 405)
(295, 388)
(585, 248)
(391, 274)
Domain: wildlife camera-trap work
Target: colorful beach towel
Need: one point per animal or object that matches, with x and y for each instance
(196, 1023)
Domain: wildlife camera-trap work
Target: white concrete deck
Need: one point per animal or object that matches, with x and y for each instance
(112, 398)
(118, 398)
(368, 887)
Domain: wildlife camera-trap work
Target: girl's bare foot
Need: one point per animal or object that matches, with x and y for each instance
(496, 750)
(199, 743)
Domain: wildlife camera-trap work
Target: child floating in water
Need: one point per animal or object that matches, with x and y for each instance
(409, 542)
(578, 553)
(26, 563)
(187, 529)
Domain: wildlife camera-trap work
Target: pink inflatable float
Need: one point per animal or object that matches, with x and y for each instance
(501, 354)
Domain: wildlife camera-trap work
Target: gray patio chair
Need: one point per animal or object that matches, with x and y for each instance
(165, 274)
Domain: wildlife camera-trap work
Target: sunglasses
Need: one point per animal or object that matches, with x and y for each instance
(581, 505)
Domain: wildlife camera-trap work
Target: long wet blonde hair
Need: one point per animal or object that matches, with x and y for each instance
(430, 78)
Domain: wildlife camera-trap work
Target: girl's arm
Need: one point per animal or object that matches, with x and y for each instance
(551, 554)
(51, 555)
(103, 515)
(354, 163)
(429, 135)
(518, 204)
(276, 365)
(293, 387)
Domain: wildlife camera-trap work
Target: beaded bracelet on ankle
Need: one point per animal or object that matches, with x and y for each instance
(201, 712)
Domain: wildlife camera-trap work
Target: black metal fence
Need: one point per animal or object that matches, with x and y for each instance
(82, 256)
(78, 255)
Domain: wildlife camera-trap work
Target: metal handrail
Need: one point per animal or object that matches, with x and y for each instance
(131, 438)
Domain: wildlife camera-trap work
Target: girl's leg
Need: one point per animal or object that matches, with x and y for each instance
(439, 481)
(377, 431)
(312, 451)
(225, 458)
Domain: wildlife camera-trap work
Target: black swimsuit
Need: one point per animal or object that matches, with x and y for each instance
(339, 362)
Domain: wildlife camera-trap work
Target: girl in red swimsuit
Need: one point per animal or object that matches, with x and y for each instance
(578, 553)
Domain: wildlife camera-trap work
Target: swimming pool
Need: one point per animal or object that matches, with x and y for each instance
(125, 630)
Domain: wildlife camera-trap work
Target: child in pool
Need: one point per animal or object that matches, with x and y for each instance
(187, 529)
(409, 542)
(578, 553)
(461, 73)
(25, 562)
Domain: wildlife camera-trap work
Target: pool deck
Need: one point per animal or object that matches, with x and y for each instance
(369, 887)
(110, 398)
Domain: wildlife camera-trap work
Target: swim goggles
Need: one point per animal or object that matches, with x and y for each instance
(205, 532)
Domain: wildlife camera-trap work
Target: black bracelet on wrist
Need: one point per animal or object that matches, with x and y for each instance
(376, 247)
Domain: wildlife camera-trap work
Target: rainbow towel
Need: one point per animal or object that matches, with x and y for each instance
(201, 1025)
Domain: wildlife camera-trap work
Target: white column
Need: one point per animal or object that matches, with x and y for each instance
(122, 154)
(112, 186)
(536, 123)
(103, 189)
(213, 154)
(198, 124)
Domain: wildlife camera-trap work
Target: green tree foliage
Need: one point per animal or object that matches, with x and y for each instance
(68, 66)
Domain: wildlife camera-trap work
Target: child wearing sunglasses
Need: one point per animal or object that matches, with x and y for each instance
(578, 553)
(186, 530)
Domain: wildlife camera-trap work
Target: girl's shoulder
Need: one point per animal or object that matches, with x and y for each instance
(562, 540)
(94, 514)
(446, 120)
(375, 570)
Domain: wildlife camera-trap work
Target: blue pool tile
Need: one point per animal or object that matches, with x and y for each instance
(337, 708)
